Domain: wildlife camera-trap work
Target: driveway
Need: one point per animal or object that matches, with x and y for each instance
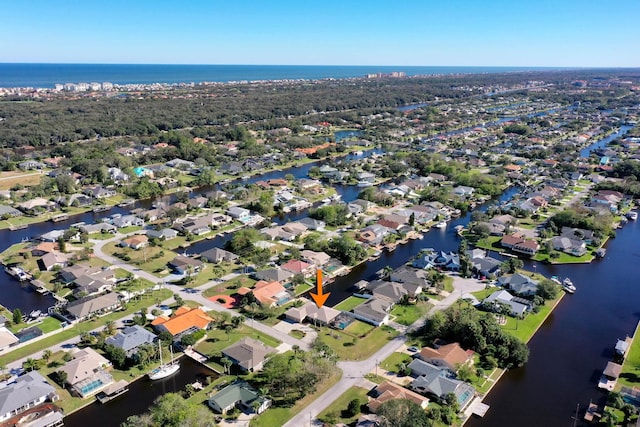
(286, 327)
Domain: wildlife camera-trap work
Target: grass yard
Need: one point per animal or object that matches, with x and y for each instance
(448, 284)
(152, 259)
(217, 340)
(564, 258)
(349, 304)
(359, 328)
(630, 375)
(525, 328)
(25, 179)
(276, 417)
(339, 405)
(350, 347)
(391, 363)
(408, 314)
(301, 289)
(229, 287)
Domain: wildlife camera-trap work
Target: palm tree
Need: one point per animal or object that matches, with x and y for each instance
(46, 355)
(226, 362)
(110, 327)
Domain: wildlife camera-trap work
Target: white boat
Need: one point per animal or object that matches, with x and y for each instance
(165, 369)
(555, 280)
(632, 215)
(568, 285)
(441, 224)
(35, 314)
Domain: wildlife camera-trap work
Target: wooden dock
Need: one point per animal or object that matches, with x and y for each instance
(592, 413)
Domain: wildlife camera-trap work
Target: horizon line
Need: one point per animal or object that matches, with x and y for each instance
(325, 65)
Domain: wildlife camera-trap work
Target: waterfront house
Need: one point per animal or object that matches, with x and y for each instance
(101, 227)
(239, 394)
(26, 392)
(99, 192)
(299, 267)
(131, 338)
(36, 205)
(52, 260)
(86, 372)
(185, 320)
(463, 191)
(570, 246)
(8, 211)
(519, 284)
(93, 305)
(388, 390)
(309, 311)
(518, 243)
(217, 255)
(183, 264)
(238, 213)
(268, 294)
(441, 259)
(439, 382)
(449, 356)
(196, 226)
(249, 354)
(128, 221)
(577, 234)
(516, 307)
(7, 339)
(273, 275)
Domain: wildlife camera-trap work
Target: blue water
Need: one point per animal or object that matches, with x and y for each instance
(47, 75)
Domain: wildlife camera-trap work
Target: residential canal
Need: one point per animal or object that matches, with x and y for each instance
(567, 354)
(139, 398)
(573, 346)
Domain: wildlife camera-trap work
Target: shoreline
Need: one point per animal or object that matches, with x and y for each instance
(497, 380)
(6, 225)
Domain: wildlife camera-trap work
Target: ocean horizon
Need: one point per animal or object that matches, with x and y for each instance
(47, 75)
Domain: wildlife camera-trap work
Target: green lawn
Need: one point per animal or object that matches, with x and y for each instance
(359, 328)
(630, 375)
(408, 314)
(340, 404)
(276, 417)
(564, 258)
(217, 340)
(152, 259)
(525, 328)
(146, 300)
(350, 347)
(448, 284)
(349, 304)
(391, 362)
(301, 289)
(229, 287)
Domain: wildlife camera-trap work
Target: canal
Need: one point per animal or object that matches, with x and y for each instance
(567, 354)
(139, 398)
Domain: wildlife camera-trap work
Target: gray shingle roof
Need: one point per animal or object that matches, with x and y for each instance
(27, 388)
(131, 337)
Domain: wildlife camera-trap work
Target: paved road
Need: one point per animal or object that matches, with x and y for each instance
(353, 372)
(210, 305)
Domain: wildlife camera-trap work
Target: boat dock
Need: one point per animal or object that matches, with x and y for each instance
(113, 391)
(198, 357)
(592, 413)
(18, 227)
(60, 217)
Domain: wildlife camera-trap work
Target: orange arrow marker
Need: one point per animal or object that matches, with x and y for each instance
(319, 297)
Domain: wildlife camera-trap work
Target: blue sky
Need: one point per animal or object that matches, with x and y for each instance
(583, 33)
